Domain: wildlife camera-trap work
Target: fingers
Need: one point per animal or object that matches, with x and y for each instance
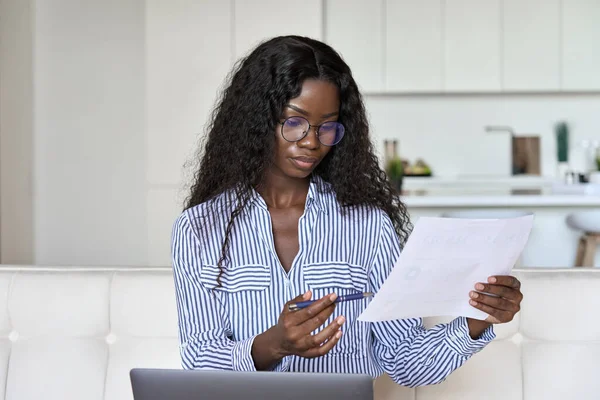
(298, 325)
(315, 321)
(313, 312)
(498, 303)
(502, 291)
(496, 315)
(326, 347)
(505, 280)
(303, 297)
(328, 332)
(500, 298)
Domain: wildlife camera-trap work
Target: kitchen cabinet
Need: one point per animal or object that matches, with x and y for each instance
(355, 29)
(472, 46)
(257, 20)
(413, 46)
(531, 45)
(580, 45)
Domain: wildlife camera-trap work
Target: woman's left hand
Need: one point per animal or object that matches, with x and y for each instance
(502, 307)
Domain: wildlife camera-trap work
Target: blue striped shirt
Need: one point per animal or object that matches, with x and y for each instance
(342, 252)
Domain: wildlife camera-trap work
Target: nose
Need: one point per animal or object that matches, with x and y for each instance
(310, 141)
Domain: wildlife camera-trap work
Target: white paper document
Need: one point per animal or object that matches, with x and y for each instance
(442, 261)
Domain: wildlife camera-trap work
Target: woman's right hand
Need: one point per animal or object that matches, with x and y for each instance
(293, 333)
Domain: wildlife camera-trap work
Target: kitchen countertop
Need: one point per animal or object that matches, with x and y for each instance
(522, 191)
(506, 200)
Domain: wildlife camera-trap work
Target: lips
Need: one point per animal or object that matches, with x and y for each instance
(304, 162)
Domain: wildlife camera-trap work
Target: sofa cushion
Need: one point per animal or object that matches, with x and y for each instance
(559, 370)
(63, 303)
(143, 304)
(128, 353)
(63, 368)
(557, 306)
(500, 376)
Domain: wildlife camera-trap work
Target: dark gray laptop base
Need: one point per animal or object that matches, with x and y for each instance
(159, 384)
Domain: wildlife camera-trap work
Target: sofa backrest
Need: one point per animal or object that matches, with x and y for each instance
(74, 333)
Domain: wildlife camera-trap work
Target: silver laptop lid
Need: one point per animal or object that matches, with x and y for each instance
(172, 384)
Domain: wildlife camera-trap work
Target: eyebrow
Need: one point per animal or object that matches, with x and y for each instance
(304, 112)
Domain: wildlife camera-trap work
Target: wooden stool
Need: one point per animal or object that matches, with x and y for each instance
(588, 223)
(586, 251)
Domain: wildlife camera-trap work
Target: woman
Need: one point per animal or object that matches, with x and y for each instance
(289, 204)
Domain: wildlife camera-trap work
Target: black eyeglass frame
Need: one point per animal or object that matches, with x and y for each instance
(311, 126)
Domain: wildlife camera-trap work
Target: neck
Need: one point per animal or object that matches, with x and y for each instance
(280, 191)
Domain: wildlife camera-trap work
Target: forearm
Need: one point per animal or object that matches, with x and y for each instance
(264, 354)
(477, 327)
(425, 357)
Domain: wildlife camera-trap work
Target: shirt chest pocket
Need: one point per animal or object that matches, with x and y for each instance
(241, 278)
(243, 293)
(342, 279)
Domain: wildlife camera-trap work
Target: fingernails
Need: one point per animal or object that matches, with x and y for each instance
(338, 335)
(492, 279)
(473, 302)
(474, 295)
(340, 320)
(306, 295)
(332, 297)
(479, 286)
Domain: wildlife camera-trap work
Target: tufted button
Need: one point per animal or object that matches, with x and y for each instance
(111, 338)
(13, 336)
(517, 338)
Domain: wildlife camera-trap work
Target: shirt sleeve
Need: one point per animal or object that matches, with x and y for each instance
(410, 354)
(205, 336)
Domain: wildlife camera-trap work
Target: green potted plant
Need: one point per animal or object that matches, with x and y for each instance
(395, 172)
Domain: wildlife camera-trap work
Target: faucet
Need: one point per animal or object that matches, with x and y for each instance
(517, 167)
(500, 129)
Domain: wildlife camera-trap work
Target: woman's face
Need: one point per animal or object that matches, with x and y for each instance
(318, 103)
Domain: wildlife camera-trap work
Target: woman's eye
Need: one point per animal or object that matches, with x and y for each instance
(293, 123)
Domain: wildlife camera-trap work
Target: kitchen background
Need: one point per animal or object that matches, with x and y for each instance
(102, 102)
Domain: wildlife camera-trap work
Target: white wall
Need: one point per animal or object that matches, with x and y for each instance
(89, 136)
(121, 89)
(16, 132)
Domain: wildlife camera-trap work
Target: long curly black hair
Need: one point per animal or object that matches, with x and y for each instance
(239, 146)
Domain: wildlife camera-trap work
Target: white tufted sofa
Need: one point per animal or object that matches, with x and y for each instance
(69, 333)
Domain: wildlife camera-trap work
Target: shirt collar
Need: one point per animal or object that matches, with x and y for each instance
(318, 195)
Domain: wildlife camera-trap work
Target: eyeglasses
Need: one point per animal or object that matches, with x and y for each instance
(294, 129)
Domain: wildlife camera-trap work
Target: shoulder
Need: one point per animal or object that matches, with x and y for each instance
(210, 215)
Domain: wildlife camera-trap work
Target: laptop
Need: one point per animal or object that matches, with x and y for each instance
(177, 384)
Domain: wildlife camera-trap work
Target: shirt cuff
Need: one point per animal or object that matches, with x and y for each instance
(460, 341)
(241, 357)
(283, 365)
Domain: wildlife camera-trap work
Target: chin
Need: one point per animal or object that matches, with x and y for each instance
(298, 174)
